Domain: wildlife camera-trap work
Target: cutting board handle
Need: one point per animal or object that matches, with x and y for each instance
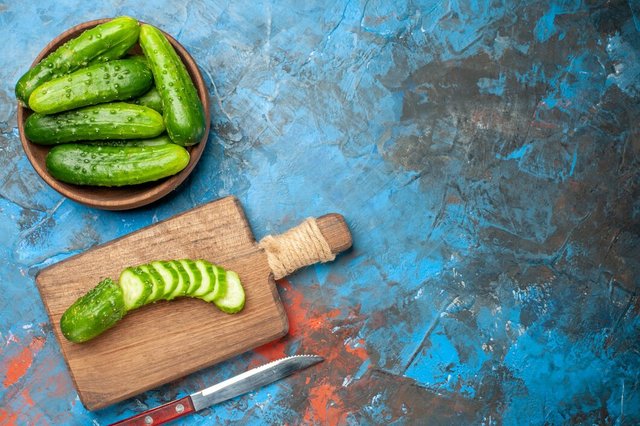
(313, 241)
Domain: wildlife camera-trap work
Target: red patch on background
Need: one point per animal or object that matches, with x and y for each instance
(8, 419)
(19, 364)
(329, 333)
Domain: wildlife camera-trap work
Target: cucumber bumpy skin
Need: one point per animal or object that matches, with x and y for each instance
(116, 120)
(95, 312)
(118, 50)
(182, 109)
(104, 42)
(99, 165)
(103, 306)
(96, 84)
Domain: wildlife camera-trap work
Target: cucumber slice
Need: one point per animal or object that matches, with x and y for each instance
(206, 270)
(233, 300)
(195, 277)
(156, 280)
(136, 287)
(220, 289)
(169, 276)
(185, 279)
(183, 285)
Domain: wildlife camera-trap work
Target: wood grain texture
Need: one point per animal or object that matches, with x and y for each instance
(166, 340)
(116, 198)
(336, 231)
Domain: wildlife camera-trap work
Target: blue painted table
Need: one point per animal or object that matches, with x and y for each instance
(485, 154)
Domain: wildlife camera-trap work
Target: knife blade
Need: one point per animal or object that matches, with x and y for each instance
(230, 388)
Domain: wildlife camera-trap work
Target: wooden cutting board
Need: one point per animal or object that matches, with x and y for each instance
(164, 341)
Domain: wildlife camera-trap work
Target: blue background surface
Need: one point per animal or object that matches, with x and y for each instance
(485, 155)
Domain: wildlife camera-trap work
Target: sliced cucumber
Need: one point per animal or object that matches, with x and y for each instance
(103, 306)
(136, 287)
(195, 277)
(206, 285)
(169, 276)
(184, 278)
(156, 280)
(220, 289)
(182, 286)
(233, 300)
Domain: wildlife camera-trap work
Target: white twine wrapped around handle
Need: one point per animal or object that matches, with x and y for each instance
(298, 247)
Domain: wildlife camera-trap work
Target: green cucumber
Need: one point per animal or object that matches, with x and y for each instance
(100, 165)
(177, 279)
(136, 287)
(183, 279)
(103, 42)
(233, 300)
(118, 50)
(150, 99)
(169, 276)
(157, 282)
(103, 306)
(207, 284)
(220, 289)
(117, 120)
(100, 83)
(98, 310)
(181, 285)
(195, 277)
(159, 140)
(182, 109)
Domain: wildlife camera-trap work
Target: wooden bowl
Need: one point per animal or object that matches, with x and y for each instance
(115, 198)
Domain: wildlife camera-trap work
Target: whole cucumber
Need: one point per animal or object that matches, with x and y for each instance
(182, 108)
(160, 140)
(117, 120)
(111, 81)
(103, 165)
(117, 50)
(96, 43)
(150, 99)
(98, 310)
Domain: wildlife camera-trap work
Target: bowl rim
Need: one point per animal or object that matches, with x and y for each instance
(145, 193)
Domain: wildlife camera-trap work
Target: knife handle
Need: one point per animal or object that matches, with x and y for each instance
(162, 414)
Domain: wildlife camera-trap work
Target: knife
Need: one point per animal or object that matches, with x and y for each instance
(230, 388)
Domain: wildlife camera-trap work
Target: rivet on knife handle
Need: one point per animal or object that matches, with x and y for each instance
(160, 415)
